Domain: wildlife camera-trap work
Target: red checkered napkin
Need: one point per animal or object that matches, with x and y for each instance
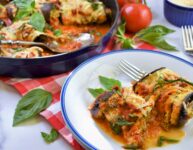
(53, 84)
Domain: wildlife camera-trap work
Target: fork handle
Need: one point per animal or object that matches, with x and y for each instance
(11, 42)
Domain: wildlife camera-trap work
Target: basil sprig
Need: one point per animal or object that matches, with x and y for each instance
(37, 20)
(121, 38)
(108, 84)
(49, 138)
(25, 8)
(31, 104)
(96, 92)
(153, 35)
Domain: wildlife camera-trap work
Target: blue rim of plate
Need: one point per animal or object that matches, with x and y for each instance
(63, 91)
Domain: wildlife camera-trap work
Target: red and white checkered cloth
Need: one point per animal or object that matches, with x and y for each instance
(53, 84)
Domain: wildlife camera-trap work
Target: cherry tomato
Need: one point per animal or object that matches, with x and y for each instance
(123, 2)
(137, 16)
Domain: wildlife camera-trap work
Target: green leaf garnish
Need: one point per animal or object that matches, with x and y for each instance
(161, 82)
(125, 41)
(95, 5)
(109, 83)
(116, 126)
(57, 32)
(37, 20)
(131, 147)
(26, 8)
(31, 104)
(2, 37)
(163, 139)
(157, 40)
(24, 3)
(49, 138)
(154, 35)
(96, 92)
(162, 30)
(124, 123)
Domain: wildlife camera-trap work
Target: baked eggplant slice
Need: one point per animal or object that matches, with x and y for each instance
(48, 10)
(171, 95)
(21, 30)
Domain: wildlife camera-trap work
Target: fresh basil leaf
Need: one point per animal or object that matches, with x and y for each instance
(37, 20)
(26, 8)
(157, 40)
(31, 104)
(109, 83)
(24, 3)
(96, 92)
(49, 138)
(57, 32)
(22, 13)
(162, 30)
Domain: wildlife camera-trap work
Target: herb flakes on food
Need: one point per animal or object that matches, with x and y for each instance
(163, 139)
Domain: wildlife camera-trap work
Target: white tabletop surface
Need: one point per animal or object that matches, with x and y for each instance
(27, 136)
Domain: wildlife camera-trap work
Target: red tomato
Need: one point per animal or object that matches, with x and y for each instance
(123, 2)
(137, 17)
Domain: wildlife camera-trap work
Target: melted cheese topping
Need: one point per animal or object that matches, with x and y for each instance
(82, 12)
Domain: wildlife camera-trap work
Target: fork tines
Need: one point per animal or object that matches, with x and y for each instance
(131, 70)
(187, 34)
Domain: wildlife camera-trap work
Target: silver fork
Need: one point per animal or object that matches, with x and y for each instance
(131, 70)
(187, 35)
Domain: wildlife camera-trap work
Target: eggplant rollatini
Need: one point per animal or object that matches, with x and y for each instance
(173, 96)
(52, 22)
(161, 101)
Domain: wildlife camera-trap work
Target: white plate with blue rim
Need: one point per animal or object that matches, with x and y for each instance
(75, 98)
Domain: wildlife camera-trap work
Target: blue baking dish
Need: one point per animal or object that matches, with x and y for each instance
(56, 64)
(178, 15)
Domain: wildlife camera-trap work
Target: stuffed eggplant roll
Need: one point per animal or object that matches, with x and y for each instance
(171, 93)
(159, 103)
(83, 12)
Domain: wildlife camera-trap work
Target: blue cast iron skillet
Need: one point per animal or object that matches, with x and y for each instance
(60, 63)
